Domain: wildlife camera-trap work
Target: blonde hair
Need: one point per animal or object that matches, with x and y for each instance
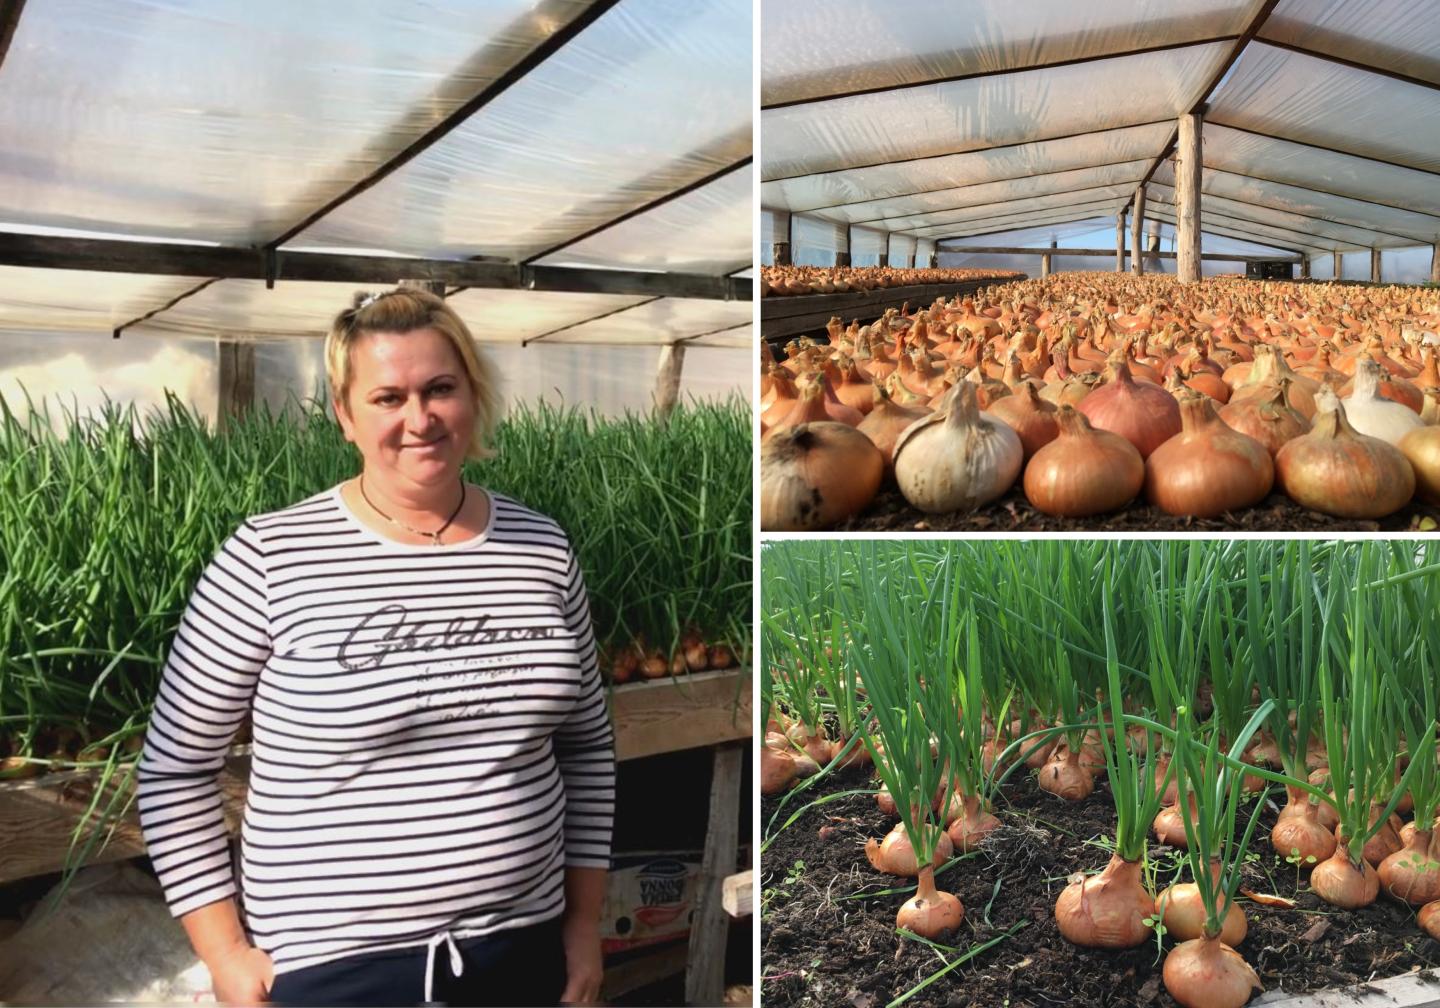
(404, 310)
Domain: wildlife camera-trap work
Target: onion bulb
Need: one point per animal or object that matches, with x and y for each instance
(1412, 873)
(1208, 468)
(1183, 909)
(1064, 777)
(815, 475)
(887, 420)
(1300, 834)
(1421, 448)
(1340, 883)
(777, 770)
(1271, 421)
(896, 856)
(1083, 471)
(1169, 824)
(1029, 416)
(1337, 471)
(930, 913)
(1430, 919)
(1207, 973)
(1372, 414)
(969, 822)
(1106, 910)
(1143, 414)
(959, 459)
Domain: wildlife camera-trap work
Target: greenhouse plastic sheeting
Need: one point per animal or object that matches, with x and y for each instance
(814, 242)
(1311, 230)
(866, 242)
(1398, 36)
(1016, 162)
(985, 112)
(705, 231)
(1401, 223)
(651, 97)
(1016, 218)
(901, 250)
(232, 123)
(1324, 171)
(887, 212)
(1316, 101)
(1044, 234)
(71, 300)
(926, 223)
(724, 323)
(819, 47)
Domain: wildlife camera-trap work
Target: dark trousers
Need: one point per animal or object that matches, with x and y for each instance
(523, 966)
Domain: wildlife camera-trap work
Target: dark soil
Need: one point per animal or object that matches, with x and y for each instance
(1013, 513)
(820, 946)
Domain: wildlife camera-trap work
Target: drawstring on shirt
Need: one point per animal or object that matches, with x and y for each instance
(457, 964)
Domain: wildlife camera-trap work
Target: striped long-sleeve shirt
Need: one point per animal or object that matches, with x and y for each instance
(431, 742)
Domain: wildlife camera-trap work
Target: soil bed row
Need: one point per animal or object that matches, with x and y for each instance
(822, 946)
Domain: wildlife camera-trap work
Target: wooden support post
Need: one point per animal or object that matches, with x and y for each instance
(884, 259)
(780, 253)
(1374, 265)
(667, 378)
(1188, 159)
(1120, 242)
(705, 969)
(237, 381)
(1305, 267)
(842, 258)
(1137, 254)
(935, 260)
(1044, 265)
(1339, 265)
(1435, 263)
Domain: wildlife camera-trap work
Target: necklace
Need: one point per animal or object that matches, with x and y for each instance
(434, 536)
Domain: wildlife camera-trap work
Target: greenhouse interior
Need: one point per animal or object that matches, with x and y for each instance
(1220, 196)
(188, 197)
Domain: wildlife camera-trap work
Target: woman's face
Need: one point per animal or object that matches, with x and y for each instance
(409, 409)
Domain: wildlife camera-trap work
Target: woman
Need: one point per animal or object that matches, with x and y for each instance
(432, 779)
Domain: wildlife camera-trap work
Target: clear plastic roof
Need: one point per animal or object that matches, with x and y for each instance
(940, 121)
(594, 135)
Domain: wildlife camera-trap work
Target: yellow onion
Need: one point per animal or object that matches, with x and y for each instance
(1301, 834)
(896, 856)
(1340, 883)
(1208, 468)
(1083, 471)
(1169, 824)
(815, 475)
(930, 913)
(1143, 414)
(1064, 777)
(1183, 909)
(959, 459)
(1421, 448)
(1337, 471)
(1412, 873)
(777, 770)
(1385, 842)
(1106, 910)
(1429, 919)
(1028, 416)
(968, 822)
(1207, 973)
(853, 389)
(1268, 420)
(886, 421)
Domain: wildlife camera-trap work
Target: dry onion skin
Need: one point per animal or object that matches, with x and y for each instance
(1412, 873)
(1337, 471)
(895, 855)
(959, 459)
(815, 475)
(1371, 413)
(1269, 420)
(1083, 471)
(1208, 468)
(1143, 414)
(1340, 883)
(1029, 416)
(1429, 919)
(886, 421)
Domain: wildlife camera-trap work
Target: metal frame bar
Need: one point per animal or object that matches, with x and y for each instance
(967, 150)
(10, 11)
(1352, 64)
(971, 185)
(575, 325)
(971, 206)
(228, 262)
(955, 78)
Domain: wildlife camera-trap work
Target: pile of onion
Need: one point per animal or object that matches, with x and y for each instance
(1337, 471)
(1083, 471)
(815, 475)
(1208, 468)
(959, 458)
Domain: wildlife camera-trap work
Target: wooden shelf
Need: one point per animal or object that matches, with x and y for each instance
(806, 314)
(39, 815)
